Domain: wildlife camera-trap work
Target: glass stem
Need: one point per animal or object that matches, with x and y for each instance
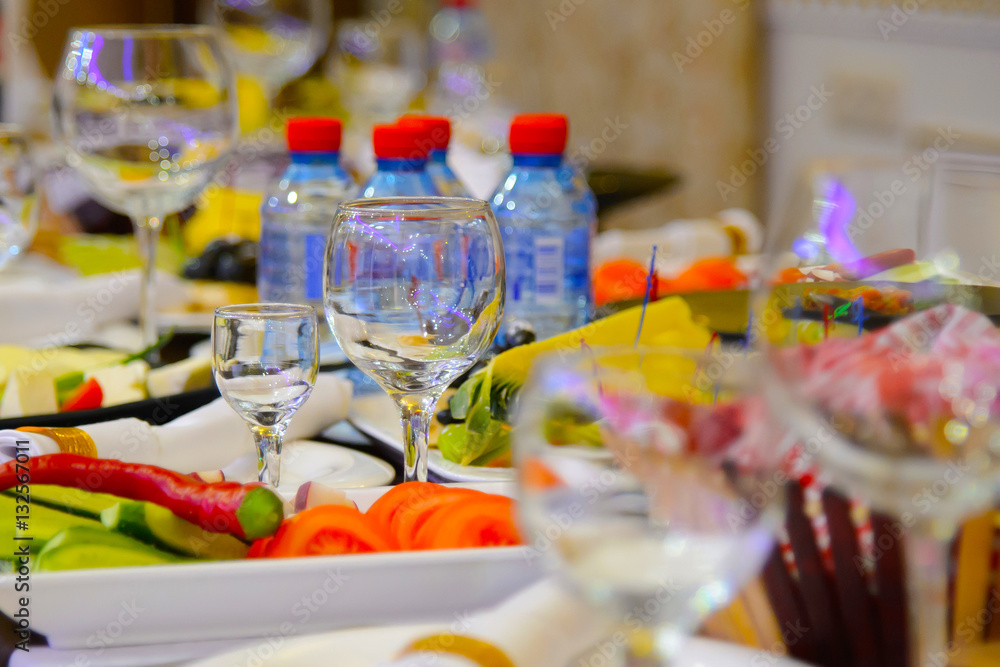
(147, 235)
(416, 412)
(927, 549)
(268, 440)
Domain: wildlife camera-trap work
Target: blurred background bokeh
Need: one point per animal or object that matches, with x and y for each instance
(733, 97)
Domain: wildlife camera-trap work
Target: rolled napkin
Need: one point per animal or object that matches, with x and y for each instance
(46, 306)
(209, 438)
(517, 632)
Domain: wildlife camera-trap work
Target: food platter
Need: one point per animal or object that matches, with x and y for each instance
(225, 600)
(375, 415)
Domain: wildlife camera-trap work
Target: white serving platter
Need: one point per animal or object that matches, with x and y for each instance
(376, 416)
(255, 598)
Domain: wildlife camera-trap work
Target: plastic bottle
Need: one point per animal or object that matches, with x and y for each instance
(547, 230)
(401, 152)
(461, 45)
(437, 131)
(298, 211)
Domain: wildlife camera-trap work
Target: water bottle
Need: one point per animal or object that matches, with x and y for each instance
(437, 136)
(547, 227)
(401, 152)
(461, 46)
(298, 211)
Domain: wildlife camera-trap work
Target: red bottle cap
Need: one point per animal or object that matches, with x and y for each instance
(314, 135)
(400, 141)
(539, 134)
(458, 3)
(437, 129)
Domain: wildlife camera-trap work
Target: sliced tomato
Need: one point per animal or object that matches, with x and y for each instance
(414, 512)
(329, 530)
(383, 509)
(260, 547)
(88, 396)
(710, 273)
(471, 522)
(619, 280)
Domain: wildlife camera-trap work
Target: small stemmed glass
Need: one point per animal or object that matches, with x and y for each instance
(265, 358)
(414, 294)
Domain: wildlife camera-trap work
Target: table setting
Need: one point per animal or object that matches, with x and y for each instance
(308, 360)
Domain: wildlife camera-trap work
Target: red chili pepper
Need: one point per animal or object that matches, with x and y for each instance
(248, 511)
(88, 396)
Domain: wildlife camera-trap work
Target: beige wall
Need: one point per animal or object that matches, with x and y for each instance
(602, 60)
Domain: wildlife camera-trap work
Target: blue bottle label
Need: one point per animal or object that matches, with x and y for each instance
(549, 270)
(315, 247)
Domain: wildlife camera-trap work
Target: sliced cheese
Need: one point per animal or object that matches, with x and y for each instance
(29, 392)
(176, 378)
(124, 383)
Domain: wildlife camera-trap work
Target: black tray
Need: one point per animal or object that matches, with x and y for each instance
(156, 411)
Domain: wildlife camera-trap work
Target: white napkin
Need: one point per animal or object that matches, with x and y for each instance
(45, 304)
(522, 627)
(209, 438)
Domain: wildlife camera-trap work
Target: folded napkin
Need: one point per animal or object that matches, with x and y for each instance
(46, 305)
(543, 625)
(209, 438)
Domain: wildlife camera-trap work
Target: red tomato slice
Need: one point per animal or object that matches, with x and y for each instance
(472, 522)
(328, 530)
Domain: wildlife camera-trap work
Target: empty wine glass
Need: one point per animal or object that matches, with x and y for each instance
(18, 199)
(146, 114)
(274, 41)
(649, 481)
(265, 358)
(877, 317)
(414, 294)
(379, 69)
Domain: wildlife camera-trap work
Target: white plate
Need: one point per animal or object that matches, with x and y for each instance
(307, 460)
(250, 599)
(370, 647)
(376, 416)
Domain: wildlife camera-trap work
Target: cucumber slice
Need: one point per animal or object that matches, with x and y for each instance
(71, 500)
(82, 547)
(43, 523)
(158, 526)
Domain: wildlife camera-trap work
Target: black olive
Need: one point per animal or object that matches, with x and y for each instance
(228, 268)
(444, 417)
(197, 269)
(520, 337)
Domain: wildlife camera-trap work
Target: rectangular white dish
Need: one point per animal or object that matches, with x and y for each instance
(269, 597)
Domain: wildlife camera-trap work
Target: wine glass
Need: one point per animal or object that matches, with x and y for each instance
(146, 114)
(379, 69)
(874, 315)
(265, 358)
(414, 291)
(274, 41)
(18, 198)
(649, 482)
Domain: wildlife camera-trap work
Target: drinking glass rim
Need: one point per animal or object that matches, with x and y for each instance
(409, 206)
(261, 311)
(147, 30)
